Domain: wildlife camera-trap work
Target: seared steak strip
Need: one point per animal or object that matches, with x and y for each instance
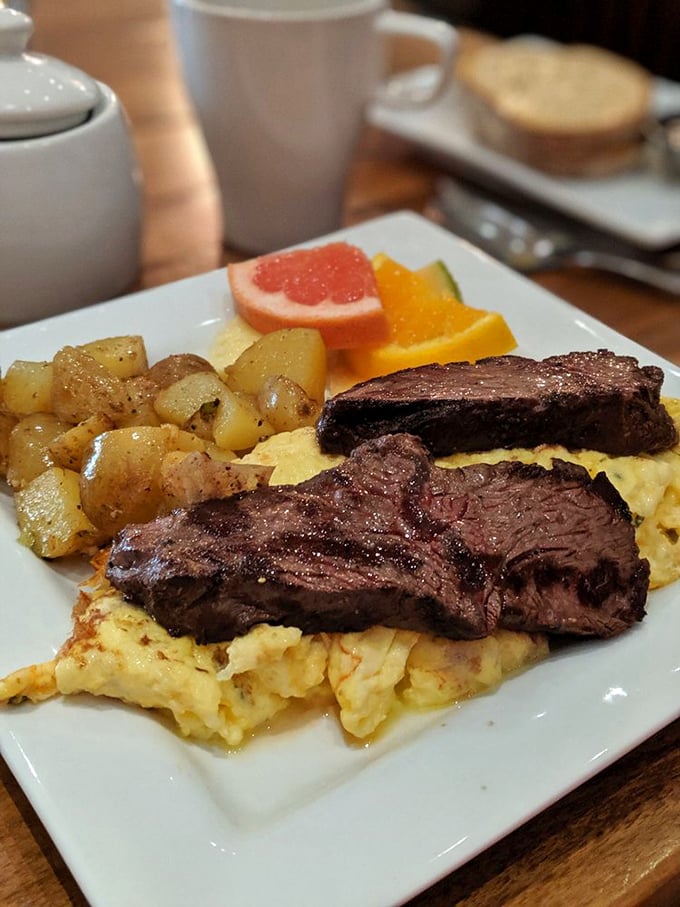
(388, 538)
(594, 400)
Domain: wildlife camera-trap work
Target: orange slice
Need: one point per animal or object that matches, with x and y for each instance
(427, 323)
(488, 335)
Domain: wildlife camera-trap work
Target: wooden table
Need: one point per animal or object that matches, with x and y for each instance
(615, 842)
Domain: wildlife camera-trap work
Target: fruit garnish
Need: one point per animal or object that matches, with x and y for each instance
(427, 323)
(331, 288)
(438, 277)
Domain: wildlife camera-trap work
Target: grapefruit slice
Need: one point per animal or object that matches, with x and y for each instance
(331, 288)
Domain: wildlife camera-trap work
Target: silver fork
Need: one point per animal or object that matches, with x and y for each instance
(530, 245)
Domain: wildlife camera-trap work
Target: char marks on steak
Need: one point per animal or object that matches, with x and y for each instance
(389, 538)
(594, 400)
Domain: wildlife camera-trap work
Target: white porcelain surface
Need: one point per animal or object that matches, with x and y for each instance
(299, 817)
(38, 94)
(70, 216)
(639, 206)
(280, 90)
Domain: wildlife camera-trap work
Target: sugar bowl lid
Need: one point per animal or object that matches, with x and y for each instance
(39, 95)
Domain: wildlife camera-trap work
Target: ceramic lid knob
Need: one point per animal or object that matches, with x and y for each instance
(39, 95)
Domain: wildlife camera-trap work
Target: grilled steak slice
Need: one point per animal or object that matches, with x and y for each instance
(388, 538)
(595, 400)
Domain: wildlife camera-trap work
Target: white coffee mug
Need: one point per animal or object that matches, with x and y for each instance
(280, 88)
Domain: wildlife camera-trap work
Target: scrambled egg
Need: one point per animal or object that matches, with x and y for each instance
(223, 692)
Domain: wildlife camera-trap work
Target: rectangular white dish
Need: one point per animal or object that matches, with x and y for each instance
(300, 817)
(638, 206)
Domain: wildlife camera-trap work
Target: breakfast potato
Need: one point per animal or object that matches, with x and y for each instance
(83, 387)
(68, 448)
(180, 401)
(120, 479)
(7, 423)
(98, 409)
(27, 388)
(285, 405)
(221, 454)
(170, 369)
(138, 409)
(28, 452)
(123, 356)
(297, 353)
(187, 478)
(238, 423)
(51, 518)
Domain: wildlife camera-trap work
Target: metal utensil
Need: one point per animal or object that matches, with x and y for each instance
(535, 241)
(662, 145)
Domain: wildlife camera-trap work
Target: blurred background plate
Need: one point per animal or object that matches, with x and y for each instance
(638, 206)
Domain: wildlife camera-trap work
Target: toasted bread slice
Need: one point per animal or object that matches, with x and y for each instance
(573, 110)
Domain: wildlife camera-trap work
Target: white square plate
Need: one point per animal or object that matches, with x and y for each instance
(300, 817)
(638, 206)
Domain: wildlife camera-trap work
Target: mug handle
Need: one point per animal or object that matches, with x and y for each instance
(420, 86)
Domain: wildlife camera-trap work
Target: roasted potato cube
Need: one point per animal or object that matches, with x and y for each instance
(7, 423)
(297, 353)
(83, 387)
(27, 388)
(285, 405)
(187, 478)
(201, 423)
(140, 393)
(28, 451)
(120, 479)
(177, 439)
(166, 371)
(178, 402)
(238, 423)
(221, 454)
(124, 356)
(50, 515)
(68, 449)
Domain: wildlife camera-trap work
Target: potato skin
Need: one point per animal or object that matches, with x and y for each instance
(178, 365)
(120, 481)
(83, 387)
(285, 404)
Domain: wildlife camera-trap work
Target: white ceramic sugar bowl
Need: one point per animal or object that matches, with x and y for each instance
(70, 196)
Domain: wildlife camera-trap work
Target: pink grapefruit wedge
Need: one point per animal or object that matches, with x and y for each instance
(331, 288)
